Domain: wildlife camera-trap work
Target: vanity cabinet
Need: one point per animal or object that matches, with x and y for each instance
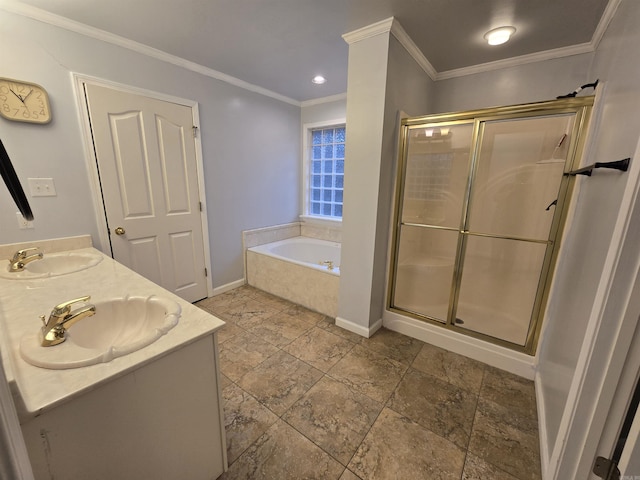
(160, 421)
(154, 413)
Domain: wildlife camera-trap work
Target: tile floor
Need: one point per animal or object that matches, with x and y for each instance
(305, 399)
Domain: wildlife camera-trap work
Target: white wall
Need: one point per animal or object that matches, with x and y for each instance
(587, 242)
(312, 112)
(533, 82)
(382, 80)
(366, 84)
(250, 142)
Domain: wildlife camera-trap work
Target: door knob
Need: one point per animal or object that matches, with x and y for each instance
(120, 231)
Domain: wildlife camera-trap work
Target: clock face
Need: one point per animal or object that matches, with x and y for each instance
(24, 102)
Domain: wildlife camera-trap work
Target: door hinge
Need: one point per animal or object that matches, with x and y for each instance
(206, 273)
(194, 129)
(200, 205)
(605, 468)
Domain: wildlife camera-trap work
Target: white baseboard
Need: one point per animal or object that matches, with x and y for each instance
(503, 358)
(359, 329)
(542, 427)
(229, 286)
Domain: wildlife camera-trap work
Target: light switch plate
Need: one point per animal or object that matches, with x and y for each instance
(42, 187)
(22, 223)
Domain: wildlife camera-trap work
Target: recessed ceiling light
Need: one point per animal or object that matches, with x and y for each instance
(500, 35)
(319, 80)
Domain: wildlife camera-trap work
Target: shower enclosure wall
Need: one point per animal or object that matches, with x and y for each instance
(480, 204)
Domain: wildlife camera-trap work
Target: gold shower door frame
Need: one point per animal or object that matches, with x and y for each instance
(581, 109)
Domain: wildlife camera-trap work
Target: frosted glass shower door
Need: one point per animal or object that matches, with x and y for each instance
(518, 174)
(435, 179)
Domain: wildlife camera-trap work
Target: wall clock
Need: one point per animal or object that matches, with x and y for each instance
(24, 101)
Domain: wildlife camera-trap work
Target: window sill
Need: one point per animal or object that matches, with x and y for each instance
(321, 221)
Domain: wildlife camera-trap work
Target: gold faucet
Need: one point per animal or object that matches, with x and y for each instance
(21, 258)
(61, 318)
(328, 263)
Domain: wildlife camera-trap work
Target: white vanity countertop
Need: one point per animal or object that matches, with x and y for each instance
(23, 301)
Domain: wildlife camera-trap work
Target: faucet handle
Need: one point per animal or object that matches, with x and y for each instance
(65, 307)
(20, 254)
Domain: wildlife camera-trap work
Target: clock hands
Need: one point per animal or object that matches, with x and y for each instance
(19, 97)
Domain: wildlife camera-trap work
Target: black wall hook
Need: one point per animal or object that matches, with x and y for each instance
(577, 90)
(622, 165)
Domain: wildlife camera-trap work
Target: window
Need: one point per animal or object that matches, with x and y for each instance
(325, 171)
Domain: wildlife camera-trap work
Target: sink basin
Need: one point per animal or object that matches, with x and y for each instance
(52, 265)
(120, 326)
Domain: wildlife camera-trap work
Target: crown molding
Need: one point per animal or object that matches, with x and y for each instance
(608, 14)
(393, 26)
(318, 101)
(92, 32)
(405, 40)
(389, 25)
(383, 26)
(517, 61)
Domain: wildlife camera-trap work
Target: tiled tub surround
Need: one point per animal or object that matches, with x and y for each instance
(294, 269)
(275, 233)
(70, 418)
(329, 230)
(306, 399)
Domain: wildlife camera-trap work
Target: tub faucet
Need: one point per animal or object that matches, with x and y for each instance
(61, 318)
(329, 264)
(22, 257)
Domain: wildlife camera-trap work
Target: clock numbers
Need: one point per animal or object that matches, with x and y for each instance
(23, 101)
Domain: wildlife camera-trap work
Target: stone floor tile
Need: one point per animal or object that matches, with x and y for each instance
(319, 348)
(280, 329)
(282, 453)
(329, 324)
(280, 381)
(246, 312)
(245, 419)
(397, 448)
(225, 381)
(428, 410)
(229, 330)
(304, 314)
(349, 475)
(219, 302)
(243, 352)
(477, 469)
(509, 390)
(334, 417)
(394, 345)
(450, 367)
(506, 439)
(368, 372)
(272, 301)
(437, 405)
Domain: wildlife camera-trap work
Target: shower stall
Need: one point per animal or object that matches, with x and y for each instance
(481, 199)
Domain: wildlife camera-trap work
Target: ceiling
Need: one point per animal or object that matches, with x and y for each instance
(280, 45)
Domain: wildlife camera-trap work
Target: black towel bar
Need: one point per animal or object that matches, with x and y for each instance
(622, 165)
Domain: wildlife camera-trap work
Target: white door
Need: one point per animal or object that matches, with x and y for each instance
(148, 174)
